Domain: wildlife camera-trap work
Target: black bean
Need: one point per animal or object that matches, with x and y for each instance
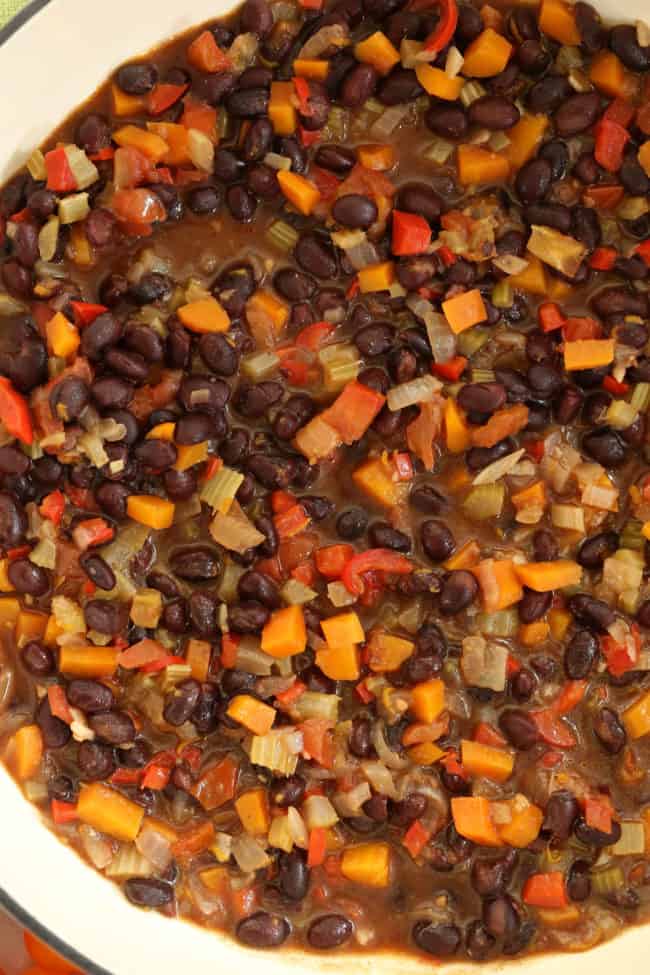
(148, 892)
(17, 278)
(532, 57)
(156, 455)
(89, 695)
(315, 256)
(447, 121)
(591, 612)
(427, 498)
(407, 810)
(25, 244)
(181, 701)
(594, 837)
(256, 18)
(106, 616)
(100, 335)
(500, 916)
(519, 728)
(619, 301)
(93, 133)
(493, 112)
(204, 200)
(624, 43)
(112, 498)
(578, 881)
(294, 285)
(241, 203)
(293, 875)
(329, 931)
(458, 591)
(28, 578)
(262, 930)
(401, 85)
(137, 79)
(402, 364)
(633, 177)
(581, 655)
(288, 791)
(358, 86)
(271, 472)
(196, 563)
(318, 508)
(568, 404)
(482, 397)
(100, 226)
(545, 380)
(248, 617)
(593, 551)
(351, 524)
(437, 540)
(470, 24)
(479, 457)
(115, 727)
(585, 227)
(255, 585)
(643, 614)
(609, 730)
(338, 159)
(493, 876)
(13, 461)
(420, 198)
(97, 570)
(248, 102)
(534, 180)
(441, 940)
(355, 211)
(593, 35)
(37, 659)
(382, 535)
(577, 113)
(557, 154)
(56, 733)
(605, 446)
(478, 941)
(253, 400)
(545, 545)
(96, 761)
(360, 742)
(548, 94)
(534, 605)
(522, 685)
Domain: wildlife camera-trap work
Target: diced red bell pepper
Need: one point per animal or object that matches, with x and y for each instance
(546, 890)
(621, 657)
(157, 774)
(281, 501)
(317, 740)
(294, 365)
(353, 411)
(85, 313)
(411, 234)
(301, 86)
(611, 139)
(313, 336)
(138, 208)
(550, 316)
(403, 465)
(487, 734)
(311, 4)
(58, 702)
(144, 652)
(63, 812)
(229, 644)
(552, 729)
(353, 289)
(317, 847)
(613, 386)
(621, 112)
(374, 559)
(53, 506)
(451, 370)
(14, 413)
(364, 693)
(603, 259)
(416, 838)
(288, 697)
(163, 97)
(446, 26)
(603, 197)
(575, 329)
(60, 177)
(103, 155)
(446, 255)
(571, 695)
(23, 216)
(332, 559)
(643, 250)
(95, 531)
(599, 813)
(291, 522)
(169, 660)
(126, 776)
(309, 137)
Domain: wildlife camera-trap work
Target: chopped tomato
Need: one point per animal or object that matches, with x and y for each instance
(332, 559)
(411, 234)
(163, 97)
(85, 313)
(451, 370)
(374, 559)
(14, 413)
(599, 813)
(581, 328)
(550, 316)
(552, 729)
(138, 207)
(53, 506)
(317, 741)
(611, 139)
(313, 336)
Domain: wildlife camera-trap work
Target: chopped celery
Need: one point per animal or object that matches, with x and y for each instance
(44, 554)
(219, 492)
(36, 165)
(74, 208)
(502, 294)
(439, 151)
(129, 863)
(312, 704)
(620, 414)
(272, 751)
(230, 577)
(296, 593)
(282, 235)
(340, 364)
(470, 92)
(337, 122)
(485, 501)
(35, 791)
(631, 536)
(222, 123)
(174, 674)
(373, 105)
(498, 141)
(640, 398)
(503, 623)
(608, 880)
(470, 341)
(632, 207)
(259, 366)
(146, 608)
(483, 375)
(339, 595)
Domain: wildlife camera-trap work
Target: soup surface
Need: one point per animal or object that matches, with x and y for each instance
(324, 477)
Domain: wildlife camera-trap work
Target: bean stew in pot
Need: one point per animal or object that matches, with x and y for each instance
(325, 477)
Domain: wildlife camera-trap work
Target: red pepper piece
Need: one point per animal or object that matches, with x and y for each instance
(374, 559)
(550, 316)
(446, 26)
(411, 234)
(85, 313)
(611, 139)
(60, 177)
(53, 506)
(452, 370)
(14, 413)
(163, 97)
(603, 259)
(613, 386)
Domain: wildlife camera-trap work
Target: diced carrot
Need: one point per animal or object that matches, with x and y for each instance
(198, 654)
(499, 582)
(253, 714)
(426, 753)
(504, 423)
(533, 496)
(588, 354)
(546, 576)
(492, 763)
(317, 440)
(339, 663)
(378, 158)
(177, 142)
(524, 138)
(62, 337)
(253, 810)
(150, 510)
(375, 478)
(205, 54)
(545, 890)
(300, 191)
(456, 428)
(437, 83)
(376, 277)
(532, 634)
(464, 310)
(205, 315)
(524, 827)
(285, 634)
(343, 629)
(126, 105)
(387, 652)
(109, 812)
(88, 661)
(428, 700)
(266, 316)
(291, 522)
(532, 279)
(148, 143)
(599, 813)
(311, 68)
(608, 74)
(472, 819)
(282, 112)
(378, 51)
(487, 55)
(26, 751)
(353, 411)
(477, 166)
(367, 864)
(467, 556)
(557, 19)
(559, 621)
(317, 740)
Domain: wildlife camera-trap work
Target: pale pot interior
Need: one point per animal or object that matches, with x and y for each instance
(52, 63)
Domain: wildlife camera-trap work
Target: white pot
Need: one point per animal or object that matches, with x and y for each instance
(52, 57)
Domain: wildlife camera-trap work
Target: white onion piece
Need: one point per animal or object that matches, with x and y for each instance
(380, 778)
(350, 803)
(389, 120)
(154, 847)
(249, 853)
(96, 847)
(319, 812)
(495, 471)
(297, 827)
(334, 35)
(386, 754)
(419, 390)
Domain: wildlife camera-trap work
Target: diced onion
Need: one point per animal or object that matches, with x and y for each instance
(339, 595)
(249, 853)
(483, 664)
(296, 593)
(252, 660)
(454, 62)
(333, 35)
(380, 778)
(260, 365)
(495, 471)
(48, 238)
(235, 531)
(319, 813)
(358, 249)
(570, 517)
(243, 50)
(84, 171)
(154, 847)
(349, 804)
(313, 704)
(201, 150)
(632, 841)
(389, 120)
(44, 554)
(510, 263)
(275, 161)
(297, 828)
(74, 208)
(36, 166)
(642, 33)
(69, 615)
(278, 750)
(386, 754)
(419, 390)
(441, 338)
(96, 847)
(280, 834)
(129, 863)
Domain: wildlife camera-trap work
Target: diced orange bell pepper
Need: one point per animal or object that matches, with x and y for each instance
(487, 55)
(285, 634)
